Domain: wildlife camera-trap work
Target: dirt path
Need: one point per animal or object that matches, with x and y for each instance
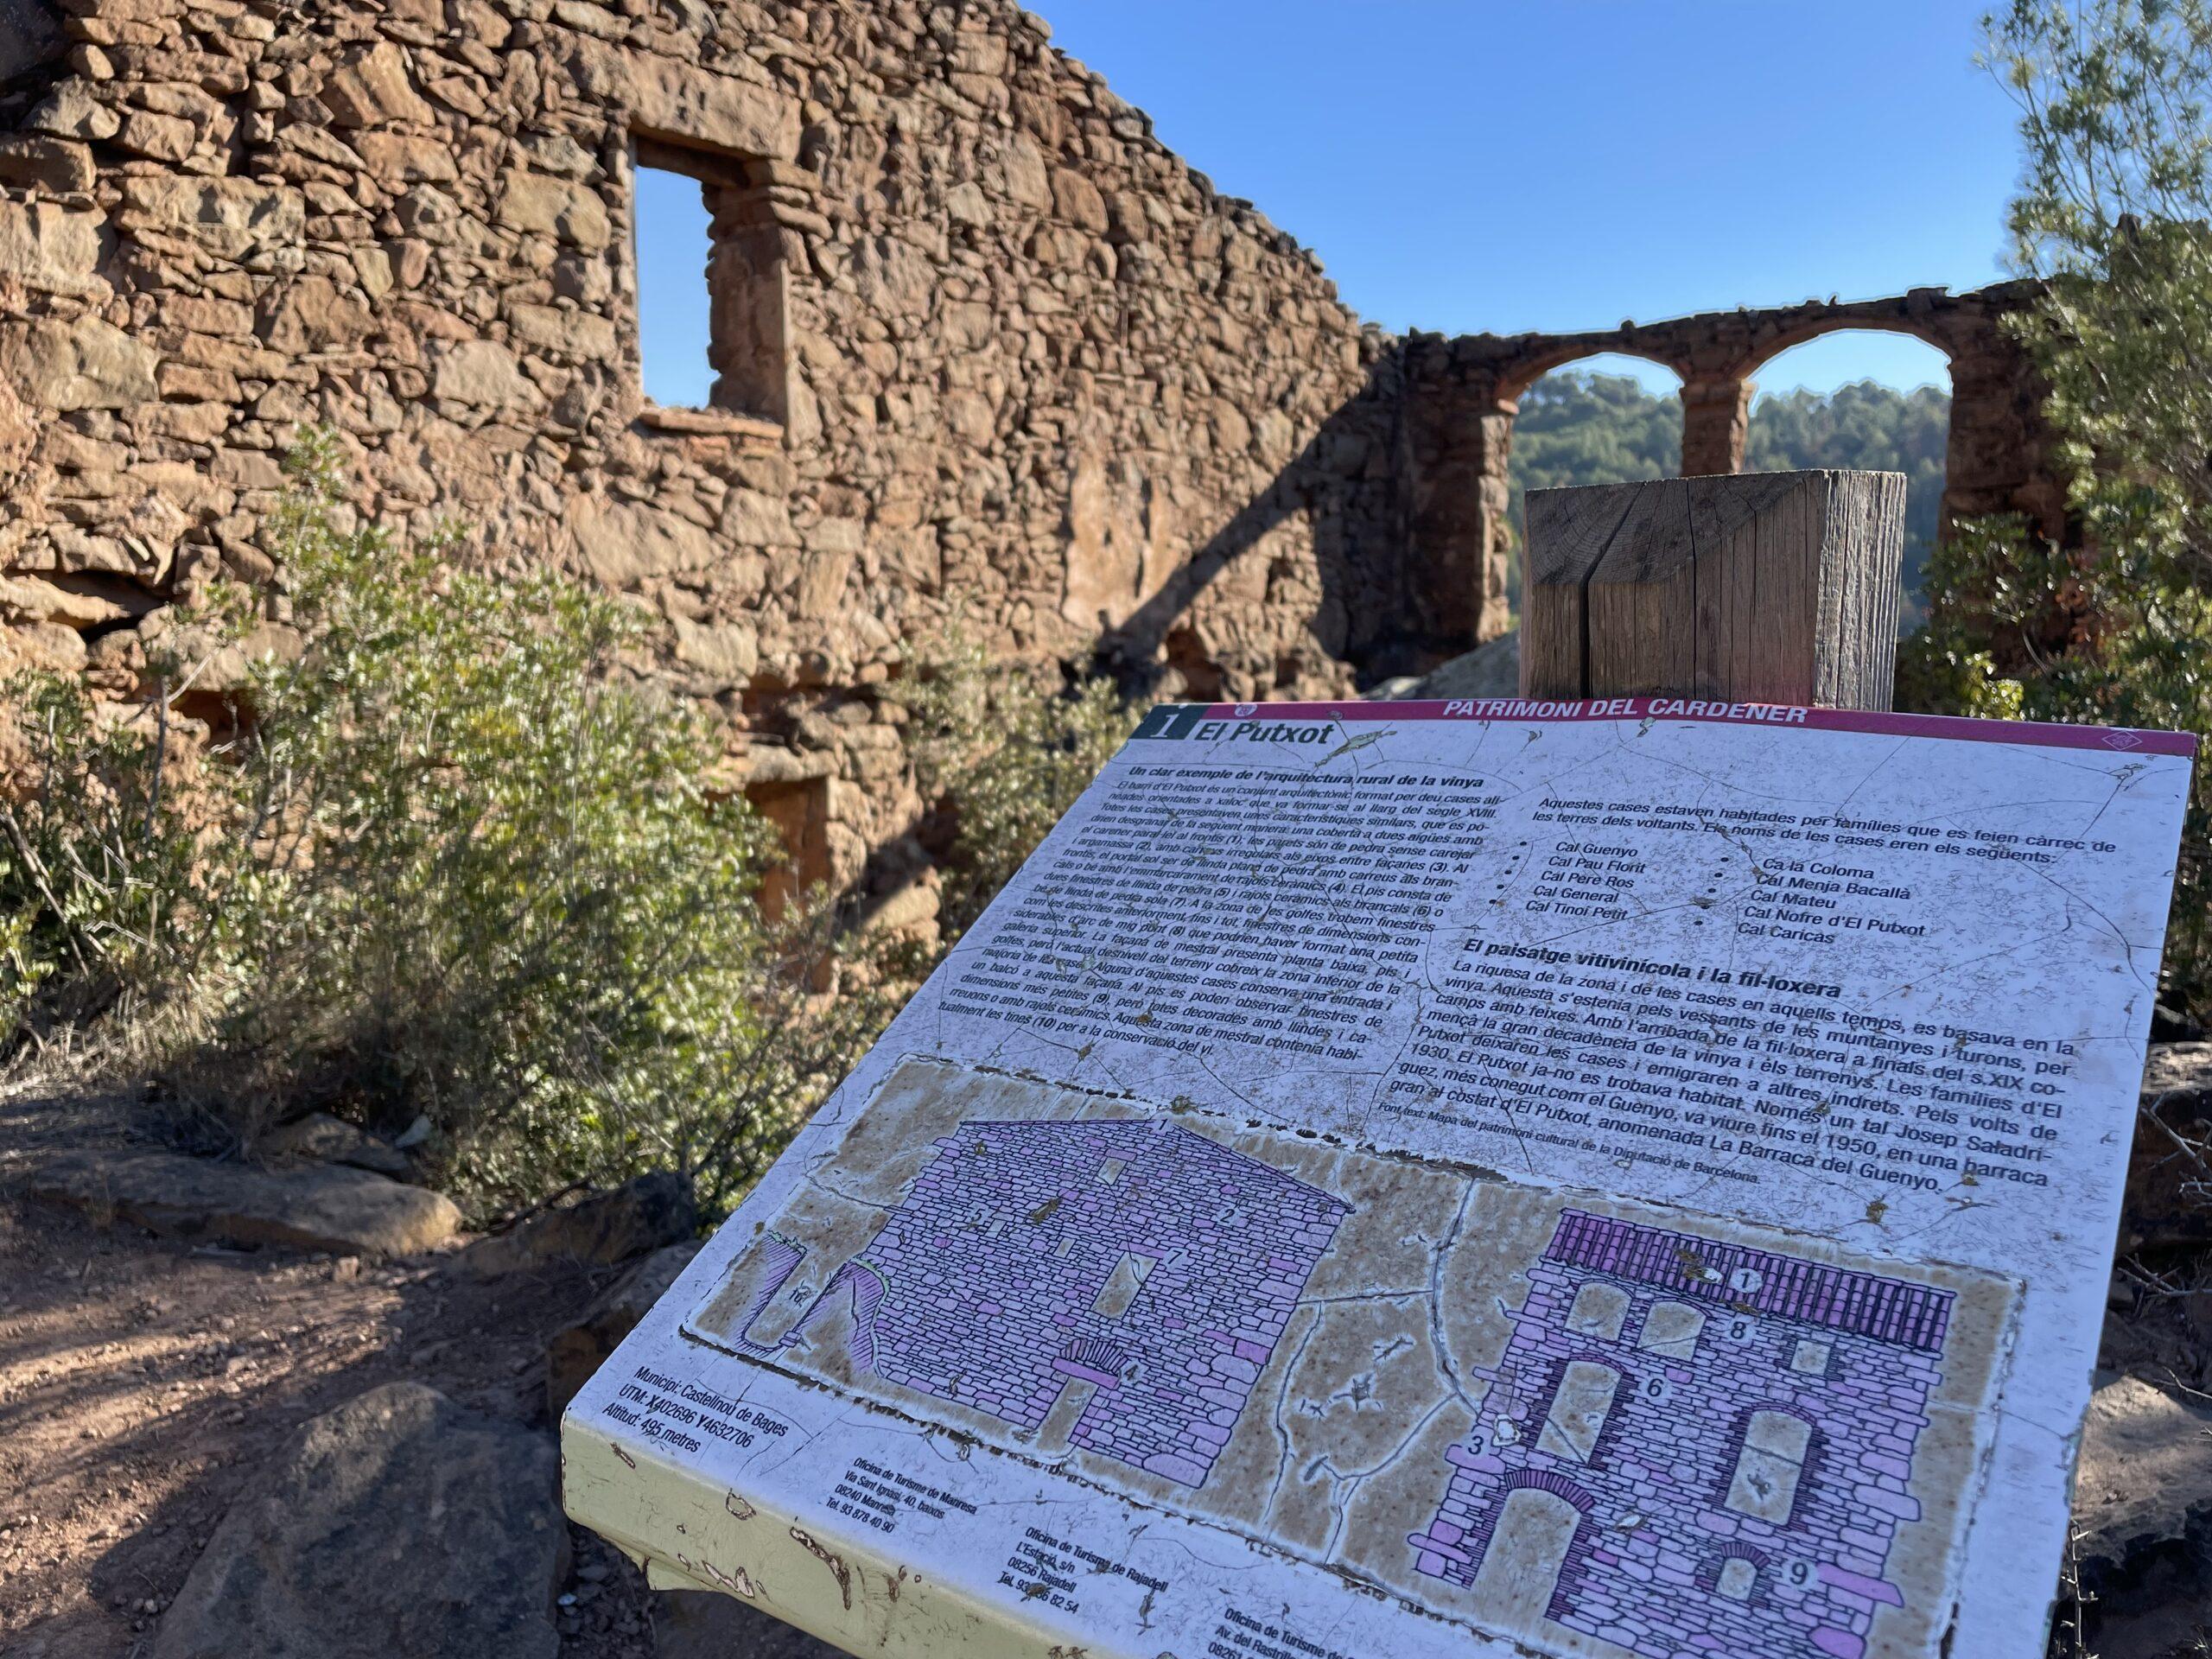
(143, 1382)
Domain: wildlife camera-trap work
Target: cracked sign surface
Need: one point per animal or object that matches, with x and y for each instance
(1617, 1178)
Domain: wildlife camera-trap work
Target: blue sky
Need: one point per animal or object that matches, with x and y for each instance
(1462, 165)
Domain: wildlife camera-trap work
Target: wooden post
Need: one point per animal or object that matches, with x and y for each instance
(1760, 587)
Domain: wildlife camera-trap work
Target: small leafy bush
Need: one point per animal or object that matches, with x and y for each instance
(451, 861)
(101, 882)
(1005, 750)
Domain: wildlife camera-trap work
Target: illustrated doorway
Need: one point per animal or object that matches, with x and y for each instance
(1520, 1569)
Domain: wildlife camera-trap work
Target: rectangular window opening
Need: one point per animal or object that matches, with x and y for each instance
(711, 329)
(1810, 1358)
(675, 307)
(1768, 1467)
(1121, 1286)
(800, 810)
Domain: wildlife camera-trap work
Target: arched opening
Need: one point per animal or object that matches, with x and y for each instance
(1734, 1571)
(1866, 399)
(1739, 1577)
(1606, 419)
(1598, 1311)
(1517, 1582)
(1672, 1329)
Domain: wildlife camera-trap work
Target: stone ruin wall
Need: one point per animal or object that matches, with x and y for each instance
(985, 347)
(1002, 351)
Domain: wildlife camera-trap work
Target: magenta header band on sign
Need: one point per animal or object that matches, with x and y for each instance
(2022, 732)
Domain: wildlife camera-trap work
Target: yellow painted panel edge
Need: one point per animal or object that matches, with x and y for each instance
(849, 1592)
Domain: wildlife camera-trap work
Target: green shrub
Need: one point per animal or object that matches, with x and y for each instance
(1005, 750)
(101, 882)
(449, 858)
(2115, 215)
(453, 862)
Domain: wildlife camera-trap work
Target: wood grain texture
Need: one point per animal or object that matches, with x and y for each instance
(1756, 587)
(1569, 531)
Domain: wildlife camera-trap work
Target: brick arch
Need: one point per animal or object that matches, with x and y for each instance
(1708, 1573)
(1546, 1480)
(1812, 328)
(1518, 376)
(1574, 1564)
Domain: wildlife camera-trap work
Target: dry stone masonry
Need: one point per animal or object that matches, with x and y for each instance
(982, 345)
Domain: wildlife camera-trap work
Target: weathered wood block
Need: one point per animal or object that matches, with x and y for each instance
(1754, 588)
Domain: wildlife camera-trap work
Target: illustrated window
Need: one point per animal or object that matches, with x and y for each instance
(1738, 1578)
(1579, 1410)
(1598, 1311)
(1770, 1467)
(1122, 1285)
(1672, 1329)
(1810, 1358)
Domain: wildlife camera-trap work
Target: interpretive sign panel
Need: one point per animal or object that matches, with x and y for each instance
(1602, 1177)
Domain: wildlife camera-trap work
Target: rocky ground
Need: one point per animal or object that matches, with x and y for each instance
(339, 1440)
(149, 1386)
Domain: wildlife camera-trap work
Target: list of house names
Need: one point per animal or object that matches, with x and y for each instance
(1584, 970)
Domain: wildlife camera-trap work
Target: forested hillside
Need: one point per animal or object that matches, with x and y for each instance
(1605, 428)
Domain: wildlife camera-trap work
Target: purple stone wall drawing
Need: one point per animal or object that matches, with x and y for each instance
(1604, 1430)
(1128, 1276)
(1757, 1413)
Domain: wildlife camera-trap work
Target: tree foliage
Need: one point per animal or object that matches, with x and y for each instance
(1575, 427)
(2115, 215)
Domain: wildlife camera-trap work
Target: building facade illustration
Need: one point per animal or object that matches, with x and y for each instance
(1709, 1446)
(1115, 1284)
